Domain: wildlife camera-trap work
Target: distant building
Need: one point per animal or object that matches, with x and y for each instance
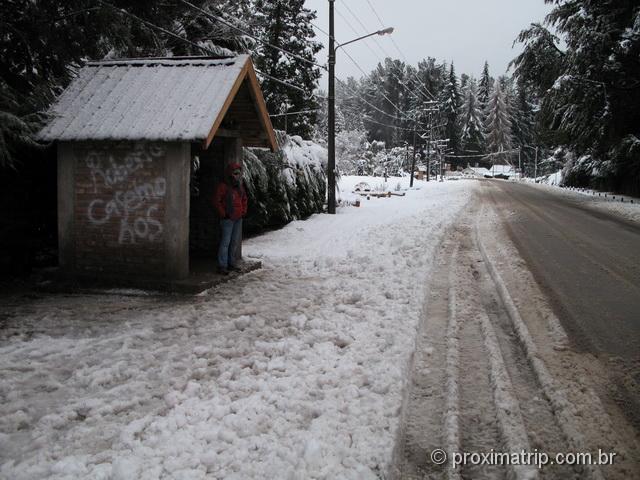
(477, 172)
(505, 171)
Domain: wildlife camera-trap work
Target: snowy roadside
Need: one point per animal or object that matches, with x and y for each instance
(293, 371)
(609, 204)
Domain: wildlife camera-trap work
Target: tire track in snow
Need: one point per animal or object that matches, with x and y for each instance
(474, 388)
(560, 405)
(452, 415)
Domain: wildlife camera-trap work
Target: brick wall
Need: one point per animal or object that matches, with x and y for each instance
(119, 207)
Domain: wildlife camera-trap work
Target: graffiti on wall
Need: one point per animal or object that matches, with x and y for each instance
(120, 194)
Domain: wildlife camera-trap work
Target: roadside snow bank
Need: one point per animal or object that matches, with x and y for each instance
(293, 371)
(624, 206)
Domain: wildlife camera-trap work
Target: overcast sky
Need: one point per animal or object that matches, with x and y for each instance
(467, 32)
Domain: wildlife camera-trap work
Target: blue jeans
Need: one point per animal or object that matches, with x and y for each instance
(230, 238)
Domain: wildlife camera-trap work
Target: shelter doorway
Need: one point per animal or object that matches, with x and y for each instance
(207, 170)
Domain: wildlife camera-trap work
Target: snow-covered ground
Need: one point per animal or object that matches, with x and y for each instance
(296, 370)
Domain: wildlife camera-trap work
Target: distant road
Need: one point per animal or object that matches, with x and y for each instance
(588, 262)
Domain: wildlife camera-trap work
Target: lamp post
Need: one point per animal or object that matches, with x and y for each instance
(535, 164)
(331, 143)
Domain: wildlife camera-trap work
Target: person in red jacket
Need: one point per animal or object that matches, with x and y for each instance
(230, 201)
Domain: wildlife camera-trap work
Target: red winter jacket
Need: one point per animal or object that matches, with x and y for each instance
(238, 201)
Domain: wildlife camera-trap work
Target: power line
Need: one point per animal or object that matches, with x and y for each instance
(157, 27)
(369, 119)
(400, 82)
(399, 51)
(200, 47)
(356, 94)
(493, 154)
(364, 100)
(383, 95)
(211, 52)
(294, 113)
(322, 31)
(365, 74)
(282, 82)
(369, 46)
(274, 79)
(244, 32)
(353, 92)
(381, 92)
(374, 11)
(365, 29)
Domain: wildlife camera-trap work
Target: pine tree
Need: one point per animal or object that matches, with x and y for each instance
(383, 92)
(450, 110)
(464, 79)
(590, 89)
(349, 104)
(498, 125)
(394, 95)
(472, 138)
(286, 24)
(320, 133)
(431, 76)
(523, 123)
(484, 87)
(44, 42)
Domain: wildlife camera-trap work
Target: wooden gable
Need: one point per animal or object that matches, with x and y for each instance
(244, 114)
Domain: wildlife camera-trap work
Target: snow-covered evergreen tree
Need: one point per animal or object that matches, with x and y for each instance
(349, 104)
(472, 139)
(432, 77)
(351, 146)
(484, 87)
(498, 125)
(384, 94)
(590, 86)
(464, 79)
(523, 124)
(320, 133)
(44, 42)
(286, 24)
(451, 110)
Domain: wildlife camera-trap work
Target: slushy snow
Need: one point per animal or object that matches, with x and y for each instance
(296, 370)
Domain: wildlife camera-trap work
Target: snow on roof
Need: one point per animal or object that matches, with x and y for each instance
(479, 170)
(502, 169)
(162, 99)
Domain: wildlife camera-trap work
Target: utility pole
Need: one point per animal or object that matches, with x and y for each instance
(331, 128)
(406, 154)
(413, 161)
(519, 163)
(429, 149)
(443, 146)
(331, 160)
(428, 111)
(535, 167)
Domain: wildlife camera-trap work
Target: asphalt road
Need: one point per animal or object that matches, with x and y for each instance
(588, 263)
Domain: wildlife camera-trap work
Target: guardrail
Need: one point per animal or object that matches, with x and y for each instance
(608, 196)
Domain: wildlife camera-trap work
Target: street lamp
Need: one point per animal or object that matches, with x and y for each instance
(535, 165)
(331, 161)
